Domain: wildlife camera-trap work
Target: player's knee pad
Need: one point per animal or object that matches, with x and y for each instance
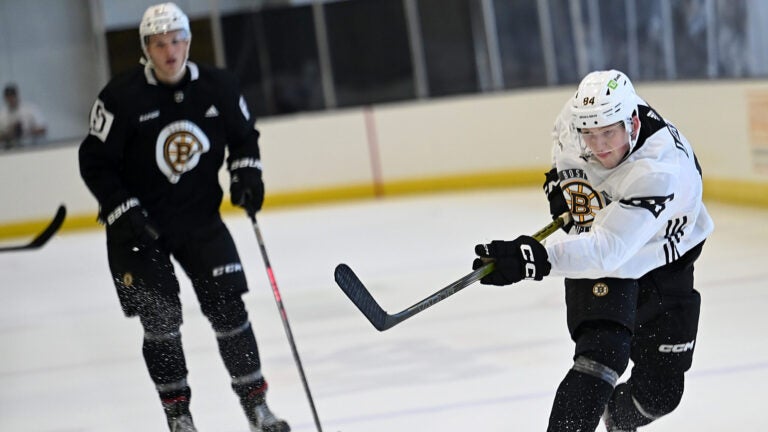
(162, 319)
(638, 402)
(602, 350)
(656, 394)
(225, 311)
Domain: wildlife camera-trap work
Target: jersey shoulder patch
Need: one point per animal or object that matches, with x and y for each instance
(125, 87)
(101, 120)
(654, 204)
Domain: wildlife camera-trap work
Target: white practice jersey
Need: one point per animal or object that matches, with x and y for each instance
(644, 213)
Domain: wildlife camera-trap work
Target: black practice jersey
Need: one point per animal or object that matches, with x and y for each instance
(166, 144)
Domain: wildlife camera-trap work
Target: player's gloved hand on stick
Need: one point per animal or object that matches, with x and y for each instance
(246, 188)
(522, 258)
(129, 224)
(557, 203)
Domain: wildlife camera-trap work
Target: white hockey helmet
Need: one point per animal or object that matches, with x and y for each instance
(162, 18)
(604, 98)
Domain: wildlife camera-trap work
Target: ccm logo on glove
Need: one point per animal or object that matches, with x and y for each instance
(522, 258)
(530, 267)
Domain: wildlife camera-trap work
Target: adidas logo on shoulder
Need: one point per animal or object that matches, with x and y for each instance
(652, 114)
(212, 112)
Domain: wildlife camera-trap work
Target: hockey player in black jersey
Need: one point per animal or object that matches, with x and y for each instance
(633, 187)
(157, 139)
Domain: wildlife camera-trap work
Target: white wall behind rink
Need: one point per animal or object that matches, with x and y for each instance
(369, 148)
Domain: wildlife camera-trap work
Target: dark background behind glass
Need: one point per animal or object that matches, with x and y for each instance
(274, 50)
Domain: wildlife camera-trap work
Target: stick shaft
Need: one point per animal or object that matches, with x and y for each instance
(284, 318)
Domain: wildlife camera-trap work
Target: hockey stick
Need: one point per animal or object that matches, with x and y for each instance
(381, 320)
(44, 236)
(284, 317)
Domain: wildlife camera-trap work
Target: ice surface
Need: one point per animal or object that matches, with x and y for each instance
(486, 359)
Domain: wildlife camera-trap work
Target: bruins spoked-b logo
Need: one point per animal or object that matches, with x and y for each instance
(583, 201)
(600, 289)
(179, 147)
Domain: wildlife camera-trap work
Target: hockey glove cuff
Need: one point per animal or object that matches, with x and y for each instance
(246, 188)
(557, 203)
(522, 258)
(129, 224)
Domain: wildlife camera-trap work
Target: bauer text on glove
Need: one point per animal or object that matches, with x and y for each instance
(129, 224)
(246, 188)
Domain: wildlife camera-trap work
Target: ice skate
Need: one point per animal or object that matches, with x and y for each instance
(179, 417)
(262, 419)
(182, 423)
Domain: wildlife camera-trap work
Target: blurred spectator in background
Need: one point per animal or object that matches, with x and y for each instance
(21, 123)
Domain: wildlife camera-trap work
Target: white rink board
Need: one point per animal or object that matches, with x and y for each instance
(438, 138)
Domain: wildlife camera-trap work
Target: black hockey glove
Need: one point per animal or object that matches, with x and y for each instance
(522, 258)
(246, 189)
(557, 203)
(129, 224)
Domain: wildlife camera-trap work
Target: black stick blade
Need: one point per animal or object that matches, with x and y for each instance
(359, 295)
(44, 236)
(54, 226)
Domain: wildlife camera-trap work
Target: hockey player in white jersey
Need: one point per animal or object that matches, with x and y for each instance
(633, 187)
